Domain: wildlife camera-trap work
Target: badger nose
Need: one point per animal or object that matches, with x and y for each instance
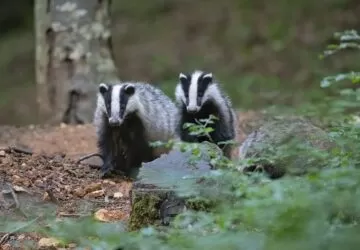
(192, 110)
(114, 121)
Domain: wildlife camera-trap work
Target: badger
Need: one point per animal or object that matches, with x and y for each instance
(127, 117)
(197, 97)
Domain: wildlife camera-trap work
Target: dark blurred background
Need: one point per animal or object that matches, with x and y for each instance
(264, 52)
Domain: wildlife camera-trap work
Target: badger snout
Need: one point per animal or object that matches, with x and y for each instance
(113, 121)
(192, 109)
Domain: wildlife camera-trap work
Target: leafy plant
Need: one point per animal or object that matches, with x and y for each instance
(349, 40)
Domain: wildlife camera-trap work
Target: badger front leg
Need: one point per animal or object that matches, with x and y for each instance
(108, 152)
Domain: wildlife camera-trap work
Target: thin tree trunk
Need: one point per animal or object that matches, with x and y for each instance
(73, 55)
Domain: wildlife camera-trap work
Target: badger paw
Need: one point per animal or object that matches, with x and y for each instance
(107, 170)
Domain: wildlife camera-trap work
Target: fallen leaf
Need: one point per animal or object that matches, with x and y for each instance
(118, 195)
(80, 192)
(109, 182)
(6, 247)
(48, 242)
(38, 183)
(21, 237)
(92, 187)
(46, 196)
(95, 194)
(20, 189)
(107, 216)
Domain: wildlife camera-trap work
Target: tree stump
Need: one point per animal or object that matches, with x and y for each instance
(154, 196)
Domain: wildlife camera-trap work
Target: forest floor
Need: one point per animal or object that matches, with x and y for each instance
(39, 172)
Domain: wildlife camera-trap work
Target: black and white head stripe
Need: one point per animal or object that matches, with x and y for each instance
(115, 99)
(118, 102)
(194, 89)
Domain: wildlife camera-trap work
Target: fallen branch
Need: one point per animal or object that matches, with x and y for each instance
(18, 150)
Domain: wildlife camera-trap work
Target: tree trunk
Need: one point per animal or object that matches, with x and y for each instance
(73, 55)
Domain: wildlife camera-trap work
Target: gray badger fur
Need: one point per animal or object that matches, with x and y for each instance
(128, 116)
(198, 96)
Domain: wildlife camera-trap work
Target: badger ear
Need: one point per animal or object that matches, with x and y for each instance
(129, 89)
(208, 78)
(103, 87)
(183, 78)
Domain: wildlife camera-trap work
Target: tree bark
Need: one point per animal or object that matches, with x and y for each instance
(73, 55)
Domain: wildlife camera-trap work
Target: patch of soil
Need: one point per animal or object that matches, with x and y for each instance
(51, 180)
(69, 140)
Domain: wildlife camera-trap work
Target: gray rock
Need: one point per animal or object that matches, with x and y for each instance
(290, 145)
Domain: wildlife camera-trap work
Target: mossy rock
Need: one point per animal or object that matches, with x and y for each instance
(153, 196)
(291, 145)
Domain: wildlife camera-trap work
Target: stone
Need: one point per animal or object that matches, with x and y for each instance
(286, 145)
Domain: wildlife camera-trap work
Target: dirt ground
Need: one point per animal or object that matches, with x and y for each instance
(51, 176)
(40, 170)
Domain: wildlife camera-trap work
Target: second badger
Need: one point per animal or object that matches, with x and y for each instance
(128, 116)
(198, 96)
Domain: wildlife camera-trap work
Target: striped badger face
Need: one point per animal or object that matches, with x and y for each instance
(194, 90)
(115, 101)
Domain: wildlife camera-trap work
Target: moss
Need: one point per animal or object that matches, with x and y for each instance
(199, 204)
(144, 211)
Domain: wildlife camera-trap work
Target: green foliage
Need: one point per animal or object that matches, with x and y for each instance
(199, 150)
(349, 40)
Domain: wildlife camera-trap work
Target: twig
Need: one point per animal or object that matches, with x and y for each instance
(73, 215)
(6, 236)
(17, 203)
(20, 150)
(51, 196)
(13, 194)
(89, 156)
